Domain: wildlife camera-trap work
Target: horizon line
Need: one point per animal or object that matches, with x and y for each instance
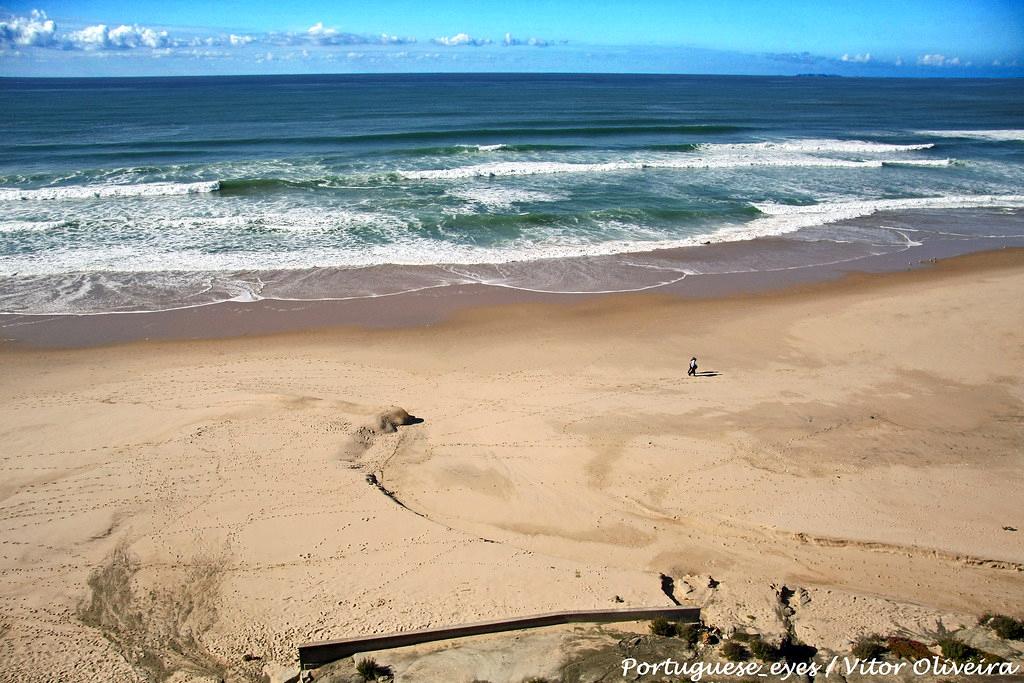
(808, 75)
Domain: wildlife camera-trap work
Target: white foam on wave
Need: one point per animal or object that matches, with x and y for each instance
(527, 168)
(802, 152)
(107, 191)
(814, 146)
(483, 148)
(923, 163)
(501, 197)
(780, 219)
(296, 219)
(512, 168)
(1001, 135)
(29, 226)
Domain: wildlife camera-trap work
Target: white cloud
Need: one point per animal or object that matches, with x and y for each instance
(36, 30)
(509, 41)
(324, 35)
(937, 60)
(859, 59)
(123, 37)
(195, 53)
(318, 29)
(899, 61)
(461, 39)
(90, 36)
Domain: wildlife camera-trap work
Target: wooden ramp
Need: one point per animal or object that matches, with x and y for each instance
(316, 654)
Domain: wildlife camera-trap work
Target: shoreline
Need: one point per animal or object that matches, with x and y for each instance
(435, 304)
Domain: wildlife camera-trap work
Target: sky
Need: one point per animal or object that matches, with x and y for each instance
(898, 38)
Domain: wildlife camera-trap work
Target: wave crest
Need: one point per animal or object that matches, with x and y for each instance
(526, 168)
(1002, 135)
(107, 191)
(784, 218)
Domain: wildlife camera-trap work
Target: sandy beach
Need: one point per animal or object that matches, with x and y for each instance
(185, 504)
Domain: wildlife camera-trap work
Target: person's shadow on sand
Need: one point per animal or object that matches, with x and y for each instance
(707, 373)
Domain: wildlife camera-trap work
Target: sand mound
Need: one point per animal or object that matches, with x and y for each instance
(385, 422)
(392, 418)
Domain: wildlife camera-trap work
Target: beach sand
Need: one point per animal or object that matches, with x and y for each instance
(180, 505)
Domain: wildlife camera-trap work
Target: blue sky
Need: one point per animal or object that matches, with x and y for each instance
(938, 38)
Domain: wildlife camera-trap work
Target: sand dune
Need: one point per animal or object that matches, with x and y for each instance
(182, 505)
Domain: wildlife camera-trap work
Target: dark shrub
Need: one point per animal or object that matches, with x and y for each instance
(663, 627)
(962, 652)
(905, 648)
(690, 632)
(734, 651)
(1005, 627)
(764, 651)
(868, 648)
(958, 651)
(370, 670)
(793, 651)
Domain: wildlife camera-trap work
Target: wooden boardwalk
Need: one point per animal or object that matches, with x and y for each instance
(316, 654)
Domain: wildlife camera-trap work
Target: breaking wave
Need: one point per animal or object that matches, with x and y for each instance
(106, 191)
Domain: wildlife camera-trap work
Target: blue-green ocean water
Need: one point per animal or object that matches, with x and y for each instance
(137, 194)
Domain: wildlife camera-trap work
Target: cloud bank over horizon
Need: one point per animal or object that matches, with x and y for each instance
(33, 43)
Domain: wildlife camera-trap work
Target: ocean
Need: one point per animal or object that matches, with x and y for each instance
(155, 193)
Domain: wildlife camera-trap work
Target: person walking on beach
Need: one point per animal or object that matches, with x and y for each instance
(692, 372)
